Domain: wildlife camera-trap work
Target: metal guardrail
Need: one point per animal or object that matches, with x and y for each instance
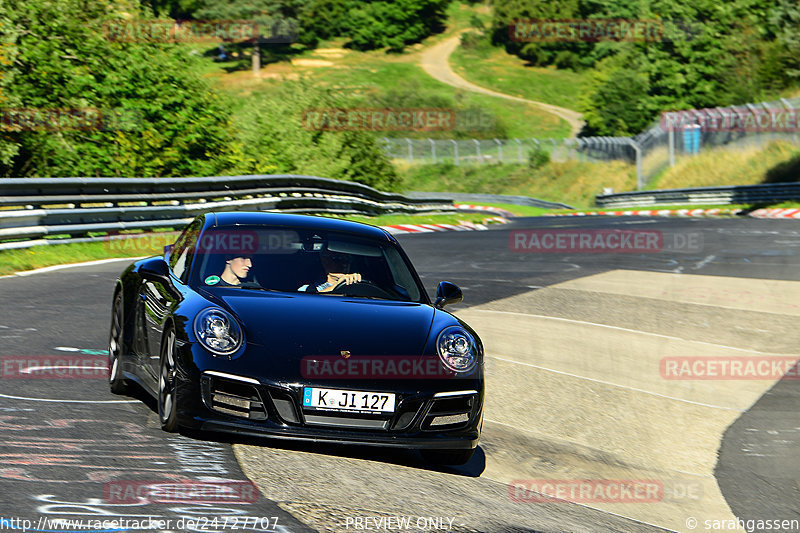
(739, 194)
(493, 198)
(35, 208)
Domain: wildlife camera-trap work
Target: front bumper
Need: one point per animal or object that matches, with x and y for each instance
(428, 415)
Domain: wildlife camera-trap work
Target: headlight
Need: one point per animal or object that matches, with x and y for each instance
(457, 349)
(218, 331)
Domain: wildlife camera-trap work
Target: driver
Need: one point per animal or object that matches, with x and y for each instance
(337, 268)
(236, 269)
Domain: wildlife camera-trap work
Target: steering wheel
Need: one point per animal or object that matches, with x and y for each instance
(363, 288)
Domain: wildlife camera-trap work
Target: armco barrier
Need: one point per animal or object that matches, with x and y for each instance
(492, 198)
(34, 208)
(739, 194)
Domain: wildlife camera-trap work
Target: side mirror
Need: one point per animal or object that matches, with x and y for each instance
(157, 270)
(447, 293)
(168, 250)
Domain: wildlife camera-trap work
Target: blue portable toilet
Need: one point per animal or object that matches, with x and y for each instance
(691, 139)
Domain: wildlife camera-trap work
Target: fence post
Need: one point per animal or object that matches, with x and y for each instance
(789, 106)
(455, 150)
(754, 111)
(638, 150)
(433, 150)
(519, 150)
(477, 149)
(499, 149)
(671, 137)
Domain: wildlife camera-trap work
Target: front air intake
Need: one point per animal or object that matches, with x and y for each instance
(232, 397)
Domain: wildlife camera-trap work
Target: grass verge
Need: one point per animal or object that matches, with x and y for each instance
(747, 165)
(500, 71)
(574, 183)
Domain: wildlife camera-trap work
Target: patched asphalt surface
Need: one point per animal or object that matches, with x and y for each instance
(65, 442)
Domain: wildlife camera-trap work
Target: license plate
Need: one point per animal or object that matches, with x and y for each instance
(348, 400)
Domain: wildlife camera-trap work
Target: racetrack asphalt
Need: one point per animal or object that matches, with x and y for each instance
(60, 456)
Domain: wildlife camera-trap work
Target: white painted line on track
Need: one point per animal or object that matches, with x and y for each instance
(704, 262)
(617, 385)
(10, 397)
(31, 369)
(618, 328)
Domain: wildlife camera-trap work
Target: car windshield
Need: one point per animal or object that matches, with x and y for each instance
(301, 260)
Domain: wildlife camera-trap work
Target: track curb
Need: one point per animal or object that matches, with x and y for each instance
(657, 213)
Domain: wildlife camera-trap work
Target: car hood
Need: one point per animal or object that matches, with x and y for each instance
(292, 326)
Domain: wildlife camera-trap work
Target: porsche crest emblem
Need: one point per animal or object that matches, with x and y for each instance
(345, 354)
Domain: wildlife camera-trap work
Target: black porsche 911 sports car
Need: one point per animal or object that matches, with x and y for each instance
(298, 327)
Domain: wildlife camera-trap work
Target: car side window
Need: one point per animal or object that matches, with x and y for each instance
(184, 246)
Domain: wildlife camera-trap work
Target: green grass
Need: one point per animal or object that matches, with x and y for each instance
(370, 76)
(574, 183)
(520, 210)
(376, 75)
(495, 69)
(59, 254)
(459, 15)
(390, 220)
(746, 165)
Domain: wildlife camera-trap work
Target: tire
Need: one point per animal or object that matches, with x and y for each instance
(168, 385)
(447, 457)
(116, 347)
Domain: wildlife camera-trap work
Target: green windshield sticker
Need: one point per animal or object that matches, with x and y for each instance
(212, 280)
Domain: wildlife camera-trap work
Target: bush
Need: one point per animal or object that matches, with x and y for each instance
(64, 60)
(274, 139)
(538, 157)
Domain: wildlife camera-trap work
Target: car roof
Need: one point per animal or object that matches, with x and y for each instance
(260, 218)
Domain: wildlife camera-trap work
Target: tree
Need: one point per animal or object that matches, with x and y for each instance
(276, 137)
(786, 17)
(9, 147)
(616, 101)
(65, 59)
(708, 54)
(368, 24)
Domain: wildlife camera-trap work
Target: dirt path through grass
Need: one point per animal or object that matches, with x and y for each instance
(435, 61)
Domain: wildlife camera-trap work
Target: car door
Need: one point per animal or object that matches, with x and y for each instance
(157, 302)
